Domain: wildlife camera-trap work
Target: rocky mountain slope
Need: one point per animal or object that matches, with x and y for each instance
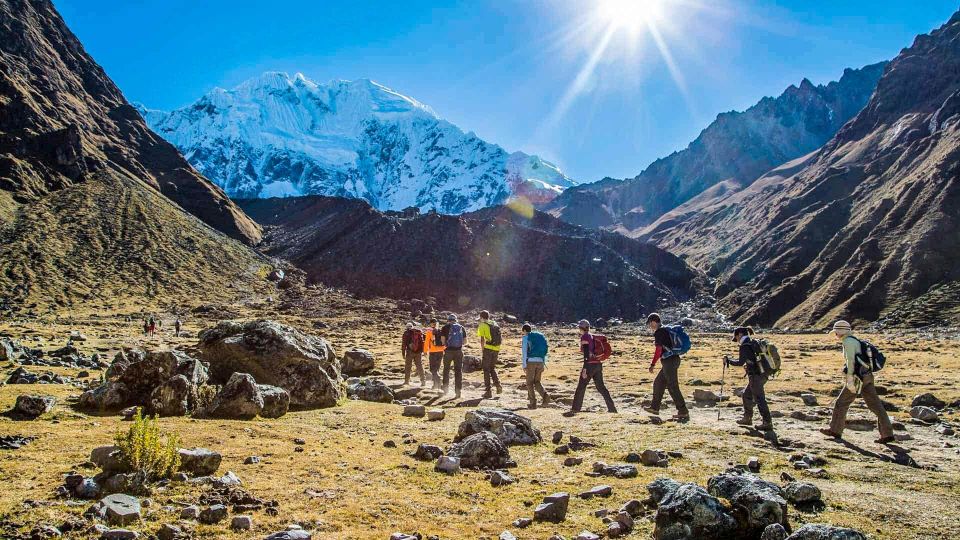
(534, 266)
(279, 136)
(736, 149)
(93, 203)
(860, 228)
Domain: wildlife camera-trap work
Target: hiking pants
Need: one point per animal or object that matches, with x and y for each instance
(668, 379)
(869, 394)
(595, 374)
(453, 357)
(411, 359)
(488, 362)
(436, 358)
(533, 373)
(754, 396)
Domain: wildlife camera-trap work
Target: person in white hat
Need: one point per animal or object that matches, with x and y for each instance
(859, 382)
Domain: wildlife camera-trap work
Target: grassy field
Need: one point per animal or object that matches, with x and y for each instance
(346, 484)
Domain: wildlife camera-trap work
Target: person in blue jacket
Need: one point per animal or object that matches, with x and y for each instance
(533, 349)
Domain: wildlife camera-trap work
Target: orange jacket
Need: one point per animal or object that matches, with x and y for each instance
(429, 344)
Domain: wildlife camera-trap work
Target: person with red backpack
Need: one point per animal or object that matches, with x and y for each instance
(595, 350)
(412, 351)
(668, 354)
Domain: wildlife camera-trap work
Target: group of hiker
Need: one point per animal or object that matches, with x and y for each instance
(759, 358)
(152, 324)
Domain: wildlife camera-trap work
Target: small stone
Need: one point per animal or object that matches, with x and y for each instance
(435, 415)
(427, 452)
(705, 396)
(507, 535)
(118, 509)
(572, 461)
(522, 523)
(653, 458)
(561, 450)
(500, 478)
(557, 437)
(251, 460)
(416, 411)
(191, 512)
(294, 534)
(928, 400)
(447, 465)
(168, 531)
(553, 508)
(753, 463)
(802, 493)
(389, 444)
(299, 441)
(774, 531)
(119, 534)
(213, 514)
(241, 523)
(809, 399)
(632, 457)
(199, 461)
(924, 414)
(229, 479)
(587, 535)
(597, 491)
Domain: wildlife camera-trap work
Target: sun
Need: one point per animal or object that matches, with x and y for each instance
(630, 15)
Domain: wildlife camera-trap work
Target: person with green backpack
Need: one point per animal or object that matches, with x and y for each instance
(862, 360)
(670, 343)
(758, 370)
(533, 354)
(490, 339)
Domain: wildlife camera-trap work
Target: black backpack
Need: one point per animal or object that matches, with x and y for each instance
(495, 337)
(870, 357)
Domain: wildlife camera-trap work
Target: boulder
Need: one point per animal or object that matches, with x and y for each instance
(239, 398)
(108, 459)
(213, 514)
(109, 396)
(760, 503)
(241, 523)
(553, 508)
(616, 471)
(500, 478)
(142, 376)
(373, 390)
(928, 400)
(660, 488)
(427, 452)
(435, 415)
(357, 362)
(199, 461)
(7, 350)
(482, 450)
(117, 509)
(924, 414)
(276, 401)
(509, 427)
(193, 370)
(303, 365)
(175, 397)
(802, 493)
(705, 396)
(774, 531)
(29, 407)
(447, 465)
(654, 458)
(690, 513)
(812, 531)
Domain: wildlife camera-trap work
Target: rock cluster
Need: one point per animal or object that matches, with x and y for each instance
(508, 426)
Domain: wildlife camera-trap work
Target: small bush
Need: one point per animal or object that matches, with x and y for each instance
(146, 451)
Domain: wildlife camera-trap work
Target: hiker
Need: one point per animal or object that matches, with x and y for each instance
(433, 346)
(753, 393)
(490, 339)
(453, 336)
(412, 350)
(146, 327)
(592, 370)
(668, 378)
(152, 327)
(859, 381)
(176, 327)
(533, 356)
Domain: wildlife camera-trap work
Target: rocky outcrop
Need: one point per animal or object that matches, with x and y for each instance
(482, 450)
(239, 398)
(508, 426)
(688, 512)
(757, 503)
(305, 366)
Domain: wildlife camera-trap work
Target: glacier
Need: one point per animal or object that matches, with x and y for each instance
(276, 136)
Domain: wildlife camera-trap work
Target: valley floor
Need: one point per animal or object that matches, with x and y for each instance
(347, 484)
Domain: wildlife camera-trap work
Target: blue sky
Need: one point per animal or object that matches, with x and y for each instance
(598, 86)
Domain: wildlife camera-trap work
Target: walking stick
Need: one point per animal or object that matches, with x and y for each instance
(722, 379)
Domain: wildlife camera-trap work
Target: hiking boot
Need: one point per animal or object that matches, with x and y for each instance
(457, 396)
(499, 389)
(651, 410)
(612, 411)
(487, 395)
(885, 440)
(744, 421)
(570, 414)
(546, 401)
(830, 433)
(531, 406)
(681, 418)
(764, 426)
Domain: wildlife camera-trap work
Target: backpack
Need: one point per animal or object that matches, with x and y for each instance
(495, 337)
(416, 341)
(437, 338)
(870, 356)
(456, 336)
(536, 345)
(768, 357)
(601, 348)
(680, 339)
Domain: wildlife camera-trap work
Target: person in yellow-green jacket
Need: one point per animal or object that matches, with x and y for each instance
(490, 339)
(859, 381)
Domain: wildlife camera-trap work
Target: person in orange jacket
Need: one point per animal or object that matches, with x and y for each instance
(433, 347)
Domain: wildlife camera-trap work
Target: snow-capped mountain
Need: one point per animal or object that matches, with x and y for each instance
(276, 135)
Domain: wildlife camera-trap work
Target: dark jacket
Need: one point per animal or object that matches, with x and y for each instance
(748, 357)
(407, 337)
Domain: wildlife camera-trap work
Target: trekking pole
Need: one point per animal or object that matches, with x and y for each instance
(722, 378)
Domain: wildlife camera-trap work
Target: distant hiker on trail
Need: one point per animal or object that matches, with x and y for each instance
(533, 354)
(433, 346)
(453, 336)
(152, 327)
(861, 361)
(595, 351)
(668, 354)
(757, 376)
(146, 327)
(412, 350)
(177, 325)
(490, 339)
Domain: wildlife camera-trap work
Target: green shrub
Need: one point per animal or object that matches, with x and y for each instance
(146, 451)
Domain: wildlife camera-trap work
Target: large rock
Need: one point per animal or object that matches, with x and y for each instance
(357, 362)
(812, 531)
(928, 400)
(239, 398)
(7, 351)
(509, 426)
(29, 407)
(117, 509)
(925, 414)
(482, 450)
(199, 461)
(660, 488)
(757, 502)
(175, 397)
(143, 376)
(373, 390)
(109, 396)
(108, 459)
(553, 508)
(803, 493)
(690, 513)
(303, 365)
(276, 401)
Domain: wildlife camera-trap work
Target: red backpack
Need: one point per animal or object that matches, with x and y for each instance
(601, 348)
(416, 341)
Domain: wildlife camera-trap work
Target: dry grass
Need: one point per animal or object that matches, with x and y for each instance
(346, 484)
